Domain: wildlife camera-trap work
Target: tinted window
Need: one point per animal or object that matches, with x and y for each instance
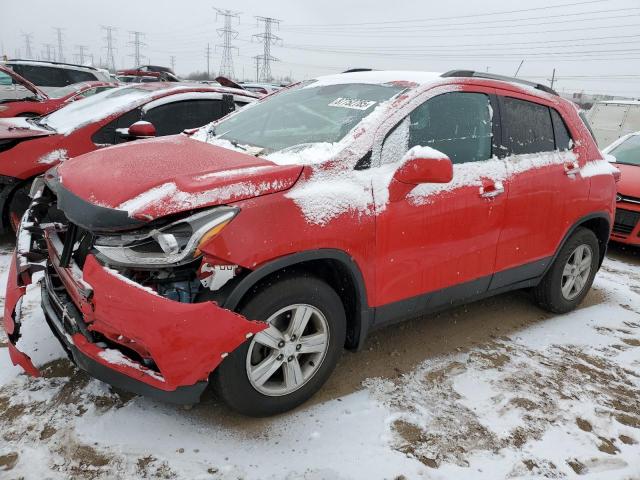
(526, 127)
(562, 135)
(173, 118)
(76, 76)
(457, 124)
(107, 135)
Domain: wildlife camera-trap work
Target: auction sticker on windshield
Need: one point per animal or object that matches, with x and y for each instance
(353, 103)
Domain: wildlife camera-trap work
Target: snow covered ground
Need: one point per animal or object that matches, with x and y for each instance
(497, 389)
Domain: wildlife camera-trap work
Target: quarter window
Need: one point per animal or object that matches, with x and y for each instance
(562, 135)
(457, 124)
(526, 127)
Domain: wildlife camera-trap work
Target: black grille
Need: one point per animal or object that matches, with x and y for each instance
(628, 198)
(626, 221)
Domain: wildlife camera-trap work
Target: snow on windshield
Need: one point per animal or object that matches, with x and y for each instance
(96, 107)
(300, 125)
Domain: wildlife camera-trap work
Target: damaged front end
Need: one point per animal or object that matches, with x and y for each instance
(130, 303)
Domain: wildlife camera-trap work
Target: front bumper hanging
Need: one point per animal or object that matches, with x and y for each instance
(104, 320)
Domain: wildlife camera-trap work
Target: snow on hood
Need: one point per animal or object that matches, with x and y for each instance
(153, 178)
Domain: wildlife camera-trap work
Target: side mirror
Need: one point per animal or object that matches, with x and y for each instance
(425, 165)
(138, 130)
(421, 165)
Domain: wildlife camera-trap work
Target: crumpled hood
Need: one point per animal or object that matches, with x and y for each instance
(629, 183)
(152, 178)
(19, 127)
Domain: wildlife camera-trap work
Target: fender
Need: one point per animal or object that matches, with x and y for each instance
(364, 313)
(592, 216)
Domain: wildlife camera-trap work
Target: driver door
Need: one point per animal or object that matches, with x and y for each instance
(438, 245)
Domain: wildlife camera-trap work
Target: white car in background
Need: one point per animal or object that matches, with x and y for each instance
(52, 75)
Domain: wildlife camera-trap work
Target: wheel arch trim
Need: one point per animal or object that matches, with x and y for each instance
(364, 313)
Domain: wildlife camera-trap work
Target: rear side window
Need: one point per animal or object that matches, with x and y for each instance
(173, 118)
(561, 132)
(457, 124)
(526, 127)
(44, 76)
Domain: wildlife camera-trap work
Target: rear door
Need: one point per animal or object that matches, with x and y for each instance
(546, 190)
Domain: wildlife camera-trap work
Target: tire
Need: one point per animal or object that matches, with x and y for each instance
(549, 293)
(297, 297)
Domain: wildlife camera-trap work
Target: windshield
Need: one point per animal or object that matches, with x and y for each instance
(628, 151)
(95, 108)
(60, 92)
(322, 114)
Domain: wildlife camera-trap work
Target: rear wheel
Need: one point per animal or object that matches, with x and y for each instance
(284, 365)
(568, 281)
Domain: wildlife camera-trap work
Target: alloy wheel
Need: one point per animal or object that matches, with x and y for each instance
(282, 358)
(576, 272)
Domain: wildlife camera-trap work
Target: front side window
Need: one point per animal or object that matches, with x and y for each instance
(526, 127)
(458, 124)
(307, 115)
(173, 118)
(628, 151)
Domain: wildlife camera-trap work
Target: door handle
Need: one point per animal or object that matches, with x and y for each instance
(571, 168)
(492, 190)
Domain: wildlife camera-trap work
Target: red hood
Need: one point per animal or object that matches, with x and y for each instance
(629, 183)
(15, 128)
(158, 177)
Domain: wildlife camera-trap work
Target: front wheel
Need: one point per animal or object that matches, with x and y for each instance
(570, 277)
(284, 365)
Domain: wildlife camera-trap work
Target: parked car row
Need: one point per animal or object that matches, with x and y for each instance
(248, 253)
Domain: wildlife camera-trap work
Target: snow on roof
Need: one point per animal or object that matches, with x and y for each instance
(620, 102)
(115, 100)
(378, 77)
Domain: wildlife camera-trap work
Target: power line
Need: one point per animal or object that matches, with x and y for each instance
(268, 38)
(60, 48)
(111, 60)
(137, 45)
(455, 17)
(228, 34)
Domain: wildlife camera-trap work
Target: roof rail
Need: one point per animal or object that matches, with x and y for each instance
(355, 70)
(52, 62)
(503, 78)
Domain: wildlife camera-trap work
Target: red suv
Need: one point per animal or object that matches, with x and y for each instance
(251, 252)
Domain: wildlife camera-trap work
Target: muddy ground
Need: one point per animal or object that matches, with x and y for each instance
(419, 371)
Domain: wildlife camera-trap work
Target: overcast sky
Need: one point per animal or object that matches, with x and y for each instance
(594, 45)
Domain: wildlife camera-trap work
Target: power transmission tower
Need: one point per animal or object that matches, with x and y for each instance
(172, 61)
(137, 44)
(553, 78)
(257, 58)
(50, 50)
(228, 34)
(60, 48)
(111, 61)
(267, 38)
(208, 54)
(82, 51)
(27, 45)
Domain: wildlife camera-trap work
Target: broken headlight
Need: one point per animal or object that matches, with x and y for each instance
(176, 243)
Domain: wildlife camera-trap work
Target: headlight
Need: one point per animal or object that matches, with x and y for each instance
(174, 244)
